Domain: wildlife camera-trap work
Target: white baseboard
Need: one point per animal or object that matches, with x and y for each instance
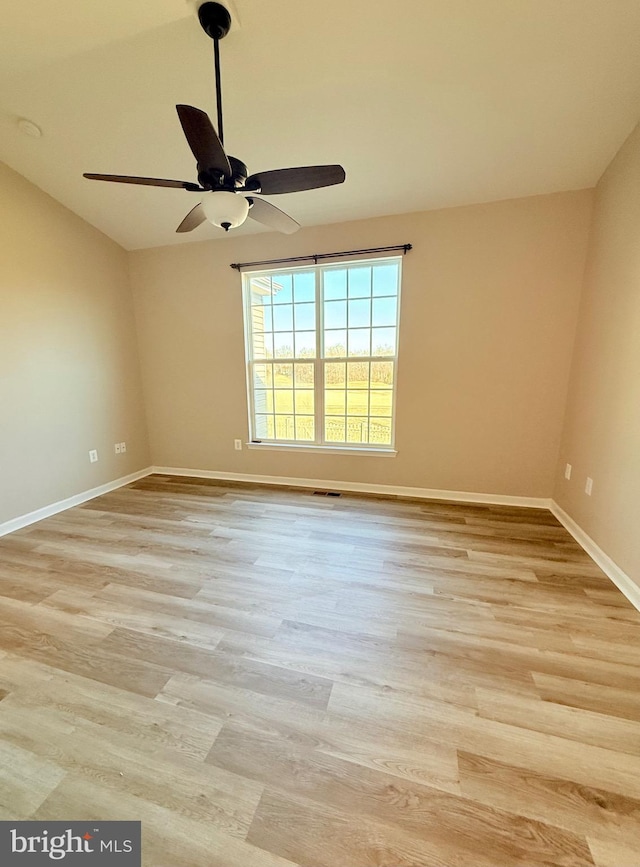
(362, 488)
(69, 503)
(622, 581)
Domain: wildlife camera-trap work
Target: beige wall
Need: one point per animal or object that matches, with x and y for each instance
(489, 305)
(602, 429)
(69, 369)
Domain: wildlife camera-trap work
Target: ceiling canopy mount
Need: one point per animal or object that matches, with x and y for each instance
(214, 19)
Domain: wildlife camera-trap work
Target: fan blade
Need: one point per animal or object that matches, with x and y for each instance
(146, 182)
(192, 220)
(295, 180)
(269, 215)
(203, 140)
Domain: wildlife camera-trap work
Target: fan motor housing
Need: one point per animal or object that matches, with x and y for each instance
(215, 181)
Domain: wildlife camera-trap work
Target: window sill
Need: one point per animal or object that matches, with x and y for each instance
(323, 450)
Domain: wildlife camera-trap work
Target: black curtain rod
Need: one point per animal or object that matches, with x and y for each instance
(314, 257)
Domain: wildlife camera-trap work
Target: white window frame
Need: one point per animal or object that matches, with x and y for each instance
(319, 444)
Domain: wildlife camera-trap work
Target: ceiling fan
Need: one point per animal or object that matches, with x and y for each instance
(229, 191)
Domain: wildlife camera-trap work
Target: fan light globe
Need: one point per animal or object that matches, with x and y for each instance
(224, 209)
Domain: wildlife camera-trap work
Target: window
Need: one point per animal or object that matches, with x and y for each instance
(322, 354)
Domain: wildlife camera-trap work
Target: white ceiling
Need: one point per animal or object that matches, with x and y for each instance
(426, 103)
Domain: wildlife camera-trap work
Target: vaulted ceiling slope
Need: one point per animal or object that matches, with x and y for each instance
(427, 103)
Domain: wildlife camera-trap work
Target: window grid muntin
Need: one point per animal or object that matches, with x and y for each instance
(381, 422)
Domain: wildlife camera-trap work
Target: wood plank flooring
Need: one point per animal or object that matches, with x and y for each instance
(268, 678)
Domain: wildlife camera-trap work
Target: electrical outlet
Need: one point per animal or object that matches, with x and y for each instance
(588, 487)
(117, 448)
(123, 448)
(93, 456)
(567, 471)
(237, 445)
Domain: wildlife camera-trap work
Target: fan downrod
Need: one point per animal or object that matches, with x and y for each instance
(214, 19)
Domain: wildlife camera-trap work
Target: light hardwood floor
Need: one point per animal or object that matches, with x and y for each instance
(265, 678)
